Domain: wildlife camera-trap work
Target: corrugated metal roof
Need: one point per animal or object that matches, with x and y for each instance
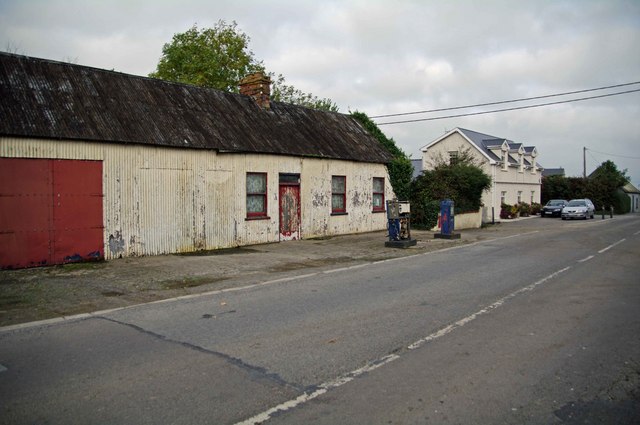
(49, 99)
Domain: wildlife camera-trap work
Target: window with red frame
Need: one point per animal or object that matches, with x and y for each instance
(378, 194)
(256, 195)
(338, 194)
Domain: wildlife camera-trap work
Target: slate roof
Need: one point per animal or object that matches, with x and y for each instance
(553, 172)
(55, 100)
(485, 142)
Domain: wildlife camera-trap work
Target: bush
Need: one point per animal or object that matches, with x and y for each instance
(524, 209)
(424, 214)
(623, 203)
(505, 211)
(535, 208)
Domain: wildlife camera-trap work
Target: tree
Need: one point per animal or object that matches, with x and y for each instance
(282, 92)
(219, 58)
(602, 187)
(604, 183)
(400, 168)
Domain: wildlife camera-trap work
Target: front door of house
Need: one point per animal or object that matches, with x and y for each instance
(289, 195)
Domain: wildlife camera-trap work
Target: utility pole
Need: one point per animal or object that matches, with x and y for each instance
(584, 162)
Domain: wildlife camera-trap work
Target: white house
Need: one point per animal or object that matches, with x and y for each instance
(100, 164)
(515, 174)
(634, 197)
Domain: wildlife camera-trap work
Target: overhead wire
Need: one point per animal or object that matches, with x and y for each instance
(501, 102)
(509, 109)
(613, 154)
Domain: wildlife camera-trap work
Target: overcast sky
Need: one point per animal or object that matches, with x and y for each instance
(384, 56)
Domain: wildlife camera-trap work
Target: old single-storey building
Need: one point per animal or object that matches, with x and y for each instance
(100, 164)
(515, 174)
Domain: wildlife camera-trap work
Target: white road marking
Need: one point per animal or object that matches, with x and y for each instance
(342, 380)
(450, 328)
(323, 388)
(611, 246)
(586, 259)
(344, 269)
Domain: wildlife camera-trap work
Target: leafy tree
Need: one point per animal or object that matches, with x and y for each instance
(282, 92)
(461, 181)
(601, 187)
(604, 183)
(219, 58)
(400, 168)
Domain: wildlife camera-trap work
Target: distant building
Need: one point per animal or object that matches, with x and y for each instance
(100, 164)
(553, 172)
(515, 174)
(634, 195)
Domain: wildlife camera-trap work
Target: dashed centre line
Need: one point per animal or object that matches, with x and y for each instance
(344, 379)
(611, 246)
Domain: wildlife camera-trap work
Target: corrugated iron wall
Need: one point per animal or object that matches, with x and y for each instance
(166, 200)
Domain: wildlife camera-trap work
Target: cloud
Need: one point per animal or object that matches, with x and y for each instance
(389, 57)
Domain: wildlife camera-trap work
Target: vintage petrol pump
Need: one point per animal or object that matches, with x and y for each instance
(447, 221)
(399, 224)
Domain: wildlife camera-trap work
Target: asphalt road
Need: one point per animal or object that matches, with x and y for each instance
(538, 327)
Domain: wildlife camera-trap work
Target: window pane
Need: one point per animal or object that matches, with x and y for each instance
(378, 185)
(255, 204)
(338, 184)
(337, 202)
(256, 183)
(290, 178)
(377, 201)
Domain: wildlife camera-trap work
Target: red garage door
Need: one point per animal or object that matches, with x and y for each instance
(50, 212)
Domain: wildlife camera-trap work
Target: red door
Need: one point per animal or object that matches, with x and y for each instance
(50, 211)
(289, 212)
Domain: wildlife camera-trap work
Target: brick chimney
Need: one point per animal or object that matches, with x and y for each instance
(258, 86)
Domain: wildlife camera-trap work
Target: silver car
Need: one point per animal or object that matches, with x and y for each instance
(578, 208)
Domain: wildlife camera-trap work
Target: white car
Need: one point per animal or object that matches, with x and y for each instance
(578, 208)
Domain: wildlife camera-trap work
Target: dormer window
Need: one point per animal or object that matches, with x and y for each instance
(505, 156)
(521, 160)
(534, 154)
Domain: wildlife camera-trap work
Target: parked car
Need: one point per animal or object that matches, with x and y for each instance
(553, 208)
(578, 208)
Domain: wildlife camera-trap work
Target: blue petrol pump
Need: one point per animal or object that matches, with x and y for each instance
(447, 221)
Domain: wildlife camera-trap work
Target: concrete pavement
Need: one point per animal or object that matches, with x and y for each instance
(62, 291)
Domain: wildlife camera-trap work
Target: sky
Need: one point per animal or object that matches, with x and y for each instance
(385, 57)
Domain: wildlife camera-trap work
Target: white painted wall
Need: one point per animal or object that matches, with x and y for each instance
(471, 220)
(165, 200)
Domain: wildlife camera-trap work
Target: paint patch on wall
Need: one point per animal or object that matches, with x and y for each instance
(116, 243)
